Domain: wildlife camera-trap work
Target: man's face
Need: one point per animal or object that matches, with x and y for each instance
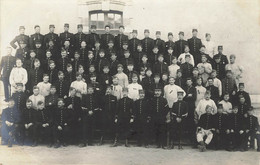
(60, 103)
(115, 81)
(125, 93)
(63, 54)
(144, 59)
(83, 44)
(19, 63)
(79, 77)
(171, 81)
(106, 70)
(174, 61)
(22, 31)
(101, 54)
(179, 74)
(45, 79)
(93, 79)
(37, 64)
(229, 75)
(113, 57)
(195, 72)
(232, 60)
(69, 69)
(199, 81)
(109, 91)
(241, 88)
(189, 82)
(194, 34)
(187, 59)
(23, 45)
(90, 56)
(9, 50)
(28, 105)
(92, 69)
(142, 72)
(52, 66)
(220, 110)
(80, 29)
(208, 37)
(51, 43)
(121, 30)
(48, 54)
(186, 49)
(66, 29)
(107, 29)
(235, 110)
(180, 97)
(134, 79)
(170, 51)
(130, 67)
(77, 56)
(156, 79)
(141, 95)
(158, 93)
(52, 29)
(146, 34)
(203, 59)
(181, 37)
(158, 36)
(220, 50)
(119, 69)
(250, 113)
(242, 100)
(170, 37)
(226, 97)
(11, 104)
(36, 91)
(73, 92)
(149, 73)
(213, 74)
(41, 106)
(127, 54)
(32, 54)
(37, 30)
(134, 35)
(210, 81)
(160, 59)
(164, 77)
(19, 88)
(209, 110)
(38, 45)
(207, 96)
(110, 44)
(53, 91)
(81, 70)
(66, 43)
(90, 90)
(139, 48)
(125, 46)
(61, 76)
(97, 44)
(93, 30)
(217, 60)
(155, 50)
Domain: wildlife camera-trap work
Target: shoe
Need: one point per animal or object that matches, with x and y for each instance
(82, 145)
(49, 145)
(101, 141)
(126, 143)
(180, 147)
(10, 144)
(115, 144)
(57, 145)
(35, 143)
(258, 150)
(200, 147)
(64, 144)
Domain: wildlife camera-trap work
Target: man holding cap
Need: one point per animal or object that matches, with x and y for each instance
(180, 44)
(147, 42)
(195, 45)
(92, 37)
(51, 36)
(37, 36)
(79, 37)
(159, 42)
(134, 42)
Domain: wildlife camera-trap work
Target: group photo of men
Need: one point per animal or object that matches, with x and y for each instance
(89, 89)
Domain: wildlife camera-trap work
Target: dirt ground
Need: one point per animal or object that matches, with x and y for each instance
(106, 155)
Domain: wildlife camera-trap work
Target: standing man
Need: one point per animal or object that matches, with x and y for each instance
(134, 42)
(210, 45)
(195, 45)
(51, 36)
(223, 58)
(6, 65)
(170, 42)
(92, 37)
(180, 44)
(159, 42)
(79, 37)
(120, 38)
(105, 38)
(20, 37)
(66, 36)
(148, 43)
(36, 37)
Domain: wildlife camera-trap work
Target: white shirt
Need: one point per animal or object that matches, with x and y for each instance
(200, 94)
(44, 88)
(227, 106)
(80, 86)
(117, 91)
(170, 93)
(210, 48)
(236, 70)
(123, 79)
(36, 99)
(181, 58)
(18, 75)
(207, 67)
(173, 70)
(133, 90)
(201, 108)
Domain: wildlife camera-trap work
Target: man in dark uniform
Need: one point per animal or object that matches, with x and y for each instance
(221, 126)
(51, 36)
(62, 85)
(180, 44)
(37, 36)
(92, 37)
(179, 112)
(241, 91)
(134, 42)
(195, 45)
(23, 51)
(39, 50)
(66, 36)
(19, 97)
(223, 58)
(6, 65)
(148, 43)
(186, 68)
(124, 117)
(170, 42)
(159, 42)
(219, 67)
(159, 110)
(120, 38)
(213, 90)
(11, 120)
(79, 37)
(105, 38)
(34, 76)
(229, 84)
(160, 67)
(20, 37)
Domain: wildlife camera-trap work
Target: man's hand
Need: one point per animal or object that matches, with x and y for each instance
(178, 119)
(131, 120)
(70, 106)
(232, 131)
(245, 115)
(90, 113)
(217, 131)
(65, 124)
(227, 131)
(59, 128)
(241, 131)
(43, 125)
(247, 131)
(115, 120)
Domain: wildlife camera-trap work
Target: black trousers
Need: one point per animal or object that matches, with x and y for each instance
(87, 129)
(220, 140)
(44, 133)
(61, 135)
(234, 140)
(176, 130)
(160, 132)
(27, 133)
(7, 88)
(245, 139)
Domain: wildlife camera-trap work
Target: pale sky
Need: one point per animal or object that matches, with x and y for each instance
(235, 24)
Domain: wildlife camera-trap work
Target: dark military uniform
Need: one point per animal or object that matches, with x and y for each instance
(245, 95)
(51, 103)
(195, 45)
(20, 100)
(35, 76)
(45, 65)
(70, 77)
(130, 75)
(125, 62)
(36, 37)
(104, 80)
(83, 55)
(119, 40)
(18, 39)
(160, 68)
(113, 67)
(137, 56)
(220, 69)
(76, 63)
(223, 58)
(29, 64)
(180, 82)
(42, 117)
(27, 118)
(55, 51)
(40, 53)
(66, 36)
(159, 108)
(214, 93)
(23, 54)
(143, 129)
(228, 85)
(6, 65)
(148, 45)
(91, 39)
(62, 118)
(221, 125)
(105, 38)
(53, 74)
(168, 58)
(78, 38)
(148, 87)
(133, 43)
(169, 44)
(161, 45)
(62, 64)
(52, 37)
(235, 123)
(62, 87)
(186, 69)
(243, 108)
(89, 103)
(9, 133)
(101, 63)
(179, 47)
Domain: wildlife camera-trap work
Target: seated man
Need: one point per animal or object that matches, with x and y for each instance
(205, 128)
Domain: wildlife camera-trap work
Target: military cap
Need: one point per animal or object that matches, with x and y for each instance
(157, 89)
(32, 51)
(110, 41)
(188, 78)
(93, 75)
(144, 55)
(146, 31)
(125, 42)
(195, 68)
(134, 31)
(105, 66)
(156, 75)
(22, 42)
(107, 26)
(241, 96)
(187, 55)
(93, 26)
(203, 55)
(180, 93)
(208, 92)
(119, 65)
(251, 108)
(121, 26)
(66, 25)
(92, 65)
(51, 26)
(76, 52)
(21, 27)
(181, 33)
(179, 70)
(141, 91)
(220, 47)
(217, 56)
(170, 48)
(170, 34)
(80, 26)
(165, 73)
(36, 26)
(228, 71)
(19, 84)
(37, 42)
(101, 50)
(158, 32)
(235, 107)
(220, 105)
(155, 47)
(130, 63)
(113, 53)
(142, 69)
(140, 44)
(194, 30)
(125, 90)
(241, 84)
(160, 55)
(126, 51)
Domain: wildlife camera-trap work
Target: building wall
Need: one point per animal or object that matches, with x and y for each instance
(232, 23)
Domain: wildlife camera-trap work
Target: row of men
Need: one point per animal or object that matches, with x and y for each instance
(90, 38)
(58, 123)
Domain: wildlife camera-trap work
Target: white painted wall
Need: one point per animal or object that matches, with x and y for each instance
(232, 23)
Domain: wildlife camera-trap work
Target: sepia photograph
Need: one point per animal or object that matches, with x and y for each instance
(130, 82)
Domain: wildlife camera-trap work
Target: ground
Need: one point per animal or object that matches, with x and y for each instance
(41, 155)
